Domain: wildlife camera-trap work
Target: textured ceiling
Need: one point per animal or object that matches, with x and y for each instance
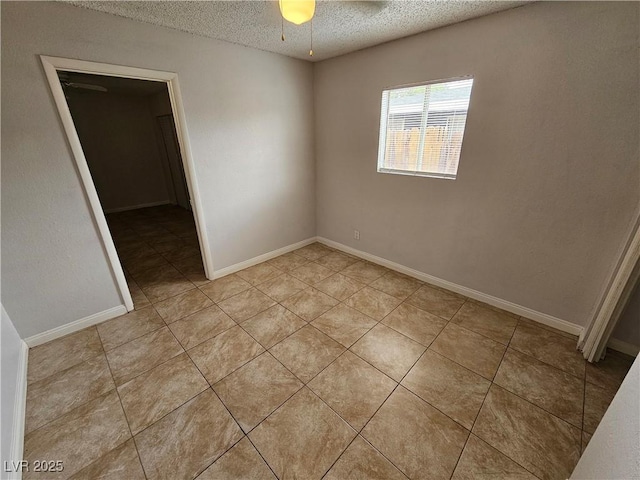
(339, 27)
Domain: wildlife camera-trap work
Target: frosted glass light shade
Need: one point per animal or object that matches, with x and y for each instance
(297, 11)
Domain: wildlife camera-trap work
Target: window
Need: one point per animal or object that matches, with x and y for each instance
(421, 128)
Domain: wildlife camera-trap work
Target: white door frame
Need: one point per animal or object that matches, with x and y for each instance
(51, 67)
(597, 334)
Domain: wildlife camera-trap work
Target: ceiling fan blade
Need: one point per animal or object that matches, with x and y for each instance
(87, 86)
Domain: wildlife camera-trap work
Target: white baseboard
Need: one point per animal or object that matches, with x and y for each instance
(68, 328)
(539, 317)
(19, 412)
(136, 207)
(623, 347)
(262, 258)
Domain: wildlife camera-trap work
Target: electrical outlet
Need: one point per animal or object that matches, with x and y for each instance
(356, 234)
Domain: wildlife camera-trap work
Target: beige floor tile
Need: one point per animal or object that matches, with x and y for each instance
(188, 440)
(609, 372)
(124, 328)
(313, 251)
(185, 430)
(596, 402)
(388, 351)
(63, 353)
(436, 301)
(200, 326)
(553, 390)
(338, 286)
(155, 275)
(166, 283)
(182, 305)
(373, 303)
(452, 389)
(311, 273)
(397, 285)
(586, 438)
(181, 253)
(263, 272)
(140, 300)
(219, 356)
(225, 287)
(416, 324)
(417, 438)
(139, 264)
(78, 438)
(245, 305)
(134, 249)
(288, 261)
(336, 261)
(526, 321)
(491, 323)
(131, 359)
(273, 325)
(61, 392)
(121, 462)
(364, 272)
(282, 287)
(344, 324)
(303, 438)
(152, 395)
(542, 443)
(361, 461)
(307, 352)
(480, 461)
(469, 349)
(548, 347)
(352, 388)
(255, 390)
(241, 462)
(167, 243)
(309, 304)
(195, 274)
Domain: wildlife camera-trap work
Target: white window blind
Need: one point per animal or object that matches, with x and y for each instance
(422, 127)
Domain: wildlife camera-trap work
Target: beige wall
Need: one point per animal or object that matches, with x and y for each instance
(548, 185)
(119, 141)
(249, 116)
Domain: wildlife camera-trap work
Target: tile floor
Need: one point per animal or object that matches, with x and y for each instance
(313, 364)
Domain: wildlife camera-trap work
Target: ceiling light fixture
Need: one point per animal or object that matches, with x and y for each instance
(298, 12)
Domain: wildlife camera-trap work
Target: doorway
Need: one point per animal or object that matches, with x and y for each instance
(127, 132)
(625, 281)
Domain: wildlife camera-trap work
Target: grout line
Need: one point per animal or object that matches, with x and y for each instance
(455, 467)
(76, 406)
(244, 435)
(155, 366)
(343, 451)
(260, 453)
(124, 412)
(485, 398)
(281, 340)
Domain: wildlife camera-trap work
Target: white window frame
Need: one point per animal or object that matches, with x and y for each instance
(383, 124)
